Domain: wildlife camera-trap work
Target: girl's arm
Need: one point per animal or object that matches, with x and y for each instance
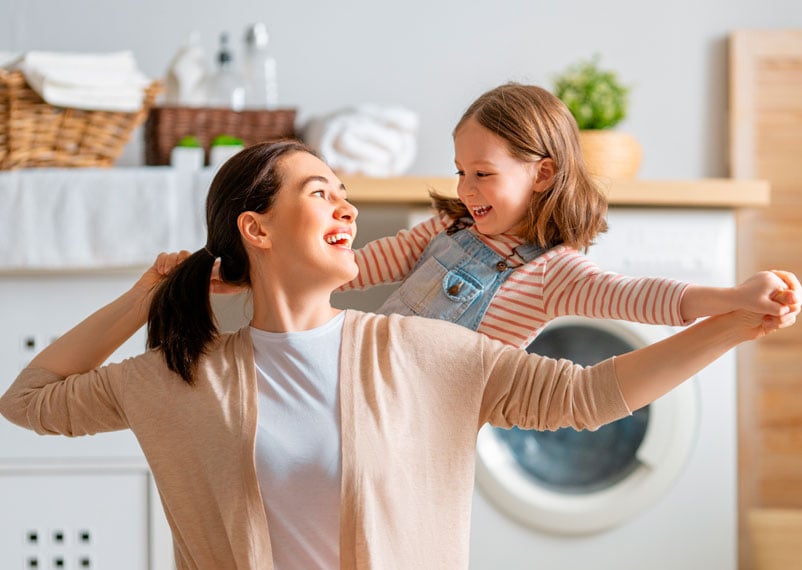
(390, 259)
(92, 341)
(754, 294)
(574, 285)
(650, 372)
(542, 393)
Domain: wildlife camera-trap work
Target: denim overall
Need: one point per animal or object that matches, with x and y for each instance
(455, 278)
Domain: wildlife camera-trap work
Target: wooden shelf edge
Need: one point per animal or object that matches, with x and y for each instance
(703, 193)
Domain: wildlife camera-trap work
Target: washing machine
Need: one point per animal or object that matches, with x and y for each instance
(655, 490)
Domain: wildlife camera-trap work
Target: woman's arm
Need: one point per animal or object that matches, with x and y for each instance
(541, 393)
(64, 390)
(650, 372)
(93, 340)
(754, 294)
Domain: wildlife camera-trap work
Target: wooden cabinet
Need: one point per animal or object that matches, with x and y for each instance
(766, 142)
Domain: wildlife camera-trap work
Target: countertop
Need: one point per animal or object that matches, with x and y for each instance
(701, 193)
(84, 218)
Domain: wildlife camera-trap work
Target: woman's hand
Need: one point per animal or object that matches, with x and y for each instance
(161, 268)
(167, 261)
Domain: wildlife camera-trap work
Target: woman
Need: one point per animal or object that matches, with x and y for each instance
(316, 438)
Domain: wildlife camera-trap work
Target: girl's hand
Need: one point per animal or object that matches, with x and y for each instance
(788, 298)
(773, 293)
(217, 285)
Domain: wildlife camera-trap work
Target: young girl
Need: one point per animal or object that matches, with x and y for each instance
(297, 442)
(504, 258)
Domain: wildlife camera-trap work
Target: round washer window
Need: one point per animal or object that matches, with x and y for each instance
(580, 482)
(571, 461)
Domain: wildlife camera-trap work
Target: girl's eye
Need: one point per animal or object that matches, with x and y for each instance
(482, 174)
(460, 173)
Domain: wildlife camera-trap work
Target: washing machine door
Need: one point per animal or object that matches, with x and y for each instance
(581, 482)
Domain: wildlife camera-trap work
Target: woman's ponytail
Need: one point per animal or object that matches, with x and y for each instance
(181, 322)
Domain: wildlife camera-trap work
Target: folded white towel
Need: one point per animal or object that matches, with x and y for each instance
(84, 218)
(372, 140)
(105, 81)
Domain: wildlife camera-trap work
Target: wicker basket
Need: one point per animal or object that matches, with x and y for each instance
(167, 125)
(34, 133)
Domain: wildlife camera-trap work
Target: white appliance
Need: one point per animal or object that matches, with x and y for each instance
(657, 490)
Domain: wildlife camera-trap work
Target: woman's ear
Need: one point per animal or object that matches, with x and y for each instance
(254, 230)
(544, 175)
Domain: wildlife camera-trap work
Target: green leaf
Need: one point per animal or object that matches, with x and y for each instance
(189, 141)
(227, 140)
(595, 97)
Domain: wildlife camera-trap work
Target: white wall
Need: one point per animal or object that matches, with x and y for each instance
(436, 56)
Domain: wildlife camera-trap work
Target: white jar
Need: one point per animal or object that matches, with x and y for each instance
(259, 70)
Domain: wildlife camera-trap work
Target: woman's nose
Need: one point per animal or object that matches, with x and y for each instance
(346, 211)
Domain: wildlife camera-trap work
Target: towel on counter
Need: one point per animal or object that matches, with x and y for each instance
(89, 218)
(91, 81)
(372, 140)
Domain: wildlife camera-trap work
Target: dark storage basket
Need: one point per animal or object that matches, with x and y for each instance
(168, 125)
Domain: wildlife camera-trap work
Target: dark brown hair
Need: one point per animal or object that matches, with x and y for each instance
(536, 124)
(181, 323)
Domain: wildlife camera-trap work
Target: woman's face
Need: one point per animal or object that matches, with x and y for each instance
(495, 186)
(311, 224)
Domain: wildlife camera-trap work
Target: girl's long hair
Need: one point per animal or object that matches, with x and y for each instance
(181, 323)
(536, 124)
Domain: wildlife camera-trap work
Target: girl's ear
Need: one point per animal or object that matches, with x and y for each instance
(544, 176)
(254, 230)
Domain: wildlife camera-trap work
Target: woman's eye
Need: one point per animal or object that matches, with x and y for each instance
(321, 193)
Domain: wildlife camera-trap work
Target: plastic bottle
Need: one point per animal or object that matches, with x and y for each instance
(225, 87)
(187, 74)
(259, 70)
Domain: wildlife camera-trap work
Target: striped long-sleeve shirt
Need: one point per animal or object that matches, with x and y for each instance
(560, 282)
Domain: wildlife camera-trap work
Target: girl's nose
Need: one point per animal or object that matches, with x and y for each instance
(465, 188)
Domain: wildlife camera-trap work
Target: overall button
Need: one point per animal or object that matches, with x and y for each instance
(501, 266)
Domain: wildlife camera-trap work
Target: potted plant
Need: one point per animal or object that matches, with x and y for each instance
(599, 101)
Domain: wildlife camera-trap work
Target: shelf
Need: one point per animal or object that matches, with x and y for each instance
(703, 193)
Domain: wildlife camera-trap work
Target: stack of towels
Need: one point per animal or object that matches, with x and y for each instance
(91, 81)
(370, 140)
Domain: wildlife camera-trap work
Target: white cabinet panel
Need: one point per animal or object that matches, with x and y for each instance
(74, 520)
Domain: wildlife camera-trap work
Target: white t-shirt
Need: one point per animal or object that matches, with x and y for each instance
(298, 443)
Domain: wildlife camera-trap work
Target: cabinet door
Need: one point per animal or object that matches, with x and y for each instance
(766, 143)
(74, 519)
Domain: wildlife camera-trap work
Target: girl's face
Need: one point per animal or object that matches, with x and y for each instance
(494, 185)
(311, 225)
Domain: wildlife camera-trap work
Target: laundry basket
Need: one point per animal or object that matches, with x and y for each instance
(166, 125)
(34, 133)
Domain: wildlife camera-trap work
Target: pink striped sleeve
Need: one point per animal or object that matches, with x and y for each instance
(577, 286)
(390, 259)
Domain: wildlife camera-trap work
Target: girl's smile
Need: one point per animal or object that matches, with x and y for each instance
(495, 186)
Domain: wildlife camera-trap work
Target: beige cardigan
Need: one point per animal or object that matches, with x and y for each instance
(413, 394)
